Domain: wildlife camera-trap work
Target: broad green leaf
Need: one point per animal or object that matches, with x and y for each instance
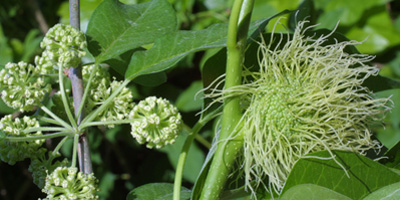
(116, 28)
(390, 134)
(377, 32)
(190, 99)
(156, 191)
(169, 49)
(386, 193)
(363, 175)
(195, 157)
(348, 12)
(151, 80)
(312, 192)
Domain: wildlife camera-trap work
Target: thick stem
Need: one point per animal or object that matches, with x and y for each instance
(230, 141)
(75, 74)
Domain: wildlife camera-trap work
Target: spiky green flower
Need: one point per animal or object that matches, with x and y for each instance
(12, 151)
(306, 97)
(22, 86)
(63, 45)
(156, 122)
(66, 183)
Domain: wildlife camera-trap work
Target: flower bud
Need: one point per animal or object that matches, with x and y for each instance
(155, 122)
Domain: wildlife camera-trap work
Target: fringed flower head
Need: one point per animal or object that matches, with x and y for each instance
(155, 122)
(306, 97)
(68, 183)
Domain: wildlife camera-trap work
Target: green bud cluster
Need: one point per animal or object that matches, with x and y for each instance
(67, 183)
(40, 166)
(11, 151)
(156, 122)
(102, 88)
(63, 45)
(23, 89)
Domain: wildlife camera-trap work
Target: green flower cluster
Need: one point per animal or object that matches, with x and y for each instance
(23, 89)
(63, 46)
(40, 166)
(13, 151)
(66, 183)
(156, 122)
(102, 88)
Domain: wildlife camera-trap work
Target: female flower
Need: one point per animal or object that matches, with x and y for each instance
(306, 97)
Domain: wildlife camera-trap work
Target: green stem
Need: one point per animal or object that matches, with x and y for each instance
(90, 117)
(185, 150)
(35, 129)
(230, 141)
(49, 120)
(203, 141)
(87, 89)
(56, 118)
(38, 137)
(99, 123)
(64, 97)
(59, 145)
(75, 150)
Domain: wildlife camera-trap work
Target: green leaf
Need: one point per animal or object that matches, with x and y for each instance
(106, 185)
(156, 191)
(116, 28)
(191, 99)
(364, 175)
(169, 49)
(390, 134)
(312, 192)
(388, 192)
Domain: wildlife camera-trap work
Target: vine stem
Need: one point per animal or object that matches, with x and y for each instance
(185, 150)
(230, 141)
(75, 74)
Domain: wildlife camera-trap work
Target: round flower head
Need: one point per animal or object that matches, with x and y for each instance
(306, 97)
(12, 151)
(23, 89)
(63, 45)
(67, 183)
(156, 122)
(119, 108)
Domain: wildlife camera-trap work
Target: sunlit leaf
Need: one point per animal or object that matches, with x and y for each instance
(312, 192)
(362, 175)
(115, 28)
(156, 191)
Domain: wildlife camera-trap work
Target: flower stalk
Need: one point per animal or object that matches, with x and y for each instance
(230, 141)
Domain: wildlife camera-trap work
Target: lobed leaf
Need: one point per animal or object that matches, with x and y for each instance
(169, 49)
(116, 28)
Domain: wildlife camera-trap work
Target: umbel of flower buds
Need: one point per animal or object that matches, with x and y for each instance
(63, 45)
(23, 89)
(102, 88)
(68, 183)
(155, 122)
(12, 151)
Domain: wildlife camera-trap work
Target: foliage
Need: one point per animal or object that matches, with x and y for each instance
(172, 50)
